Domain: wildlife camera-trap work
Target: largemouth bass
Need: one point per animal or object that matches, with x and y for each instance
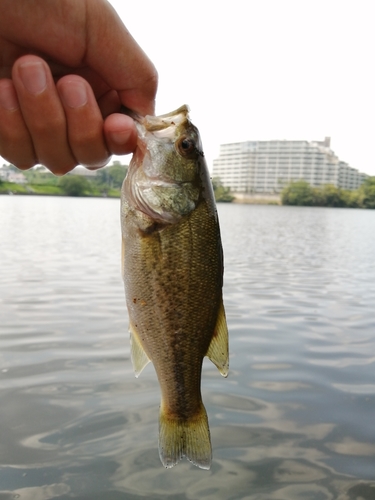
(173, 273)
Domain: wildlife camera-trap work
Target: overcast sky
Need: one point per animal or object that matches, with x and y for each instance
(265, 69)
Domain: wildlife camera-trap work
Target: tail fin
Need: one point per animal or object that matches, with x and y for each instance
(185, 438)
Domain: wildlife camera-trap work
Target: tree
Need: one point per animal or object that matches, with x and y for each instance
(118, 173)
(367, 193)
(112, 176)
(74, 185)
(332, 196)
(221, 192)
(351, 198)
(298, 193)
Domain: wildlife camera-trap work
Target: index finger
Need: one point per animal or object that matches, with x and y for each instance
(120, 60)
(82, 35)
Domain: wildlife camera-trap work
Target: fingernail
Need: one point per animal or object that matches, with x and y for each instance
(33, 75)
(74, 94)
(121, 138)
(8, 97)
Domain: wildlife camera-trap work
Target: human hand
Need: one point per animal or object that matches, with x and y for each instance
(65, 69)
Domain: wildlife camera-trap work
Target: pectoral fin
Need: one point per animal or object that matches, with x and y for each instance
(218, 351)
(138, 355)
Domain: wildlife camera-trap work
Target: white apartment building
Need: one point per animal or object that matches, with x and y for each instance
(267, 166)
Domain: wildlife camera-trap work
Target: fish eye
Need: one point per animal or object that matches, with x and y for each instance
(186, 146)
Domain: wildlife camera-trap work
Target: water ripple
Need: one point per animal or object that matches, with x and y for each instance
(295, 418)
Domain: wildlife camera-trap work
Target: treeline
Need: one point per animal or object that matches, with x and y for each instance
(302, 194)
(222, 193)
(106, 182)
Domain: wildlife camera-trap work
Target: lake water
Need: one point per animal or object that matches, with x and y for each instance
(294, 420)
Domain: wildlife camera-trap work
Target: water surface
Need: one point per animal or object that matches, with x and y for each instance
(294, 420)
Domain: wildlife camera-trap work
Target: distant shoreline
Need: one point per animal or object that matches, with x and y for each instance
(257, 199)
(59, 195)
(238, 201)
(12, 189)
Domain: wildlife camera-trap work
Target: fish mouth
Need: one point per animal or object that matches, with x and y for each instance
(161, 126)
(152, 123)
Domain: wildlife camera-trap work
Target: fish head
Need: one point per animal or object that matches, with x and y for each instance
(164, 179)
(172, 144)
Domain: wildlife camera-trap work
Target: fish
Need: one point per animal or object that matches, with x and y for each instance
(172, 267)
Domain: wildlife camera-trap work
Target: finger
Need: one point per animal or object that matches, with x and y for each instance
(15, 141)
(109, 103)
(120, 134)
(84, 120)
(85, 34)
(43, 113)
(120, 62)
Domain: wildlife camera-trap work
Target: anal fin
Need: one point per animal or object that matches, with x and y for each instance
(138, 355)
(218, 351)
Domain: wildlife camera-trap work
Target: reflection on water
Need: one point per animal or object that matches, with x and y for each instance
(295, 418)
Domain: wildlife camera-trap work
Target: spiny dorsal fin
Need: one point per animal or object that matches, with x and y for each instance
(218, 351)
(138, 355)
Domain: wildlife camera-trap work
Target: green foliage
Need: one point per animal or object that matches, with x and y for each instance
(330, 196)
(302, 194)
(11, 187)
(107, 182)
(41, 177)
(111, 177)
(74, 185)
(367, 193)
(298, 193)
(45, 189)
(222, 194)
